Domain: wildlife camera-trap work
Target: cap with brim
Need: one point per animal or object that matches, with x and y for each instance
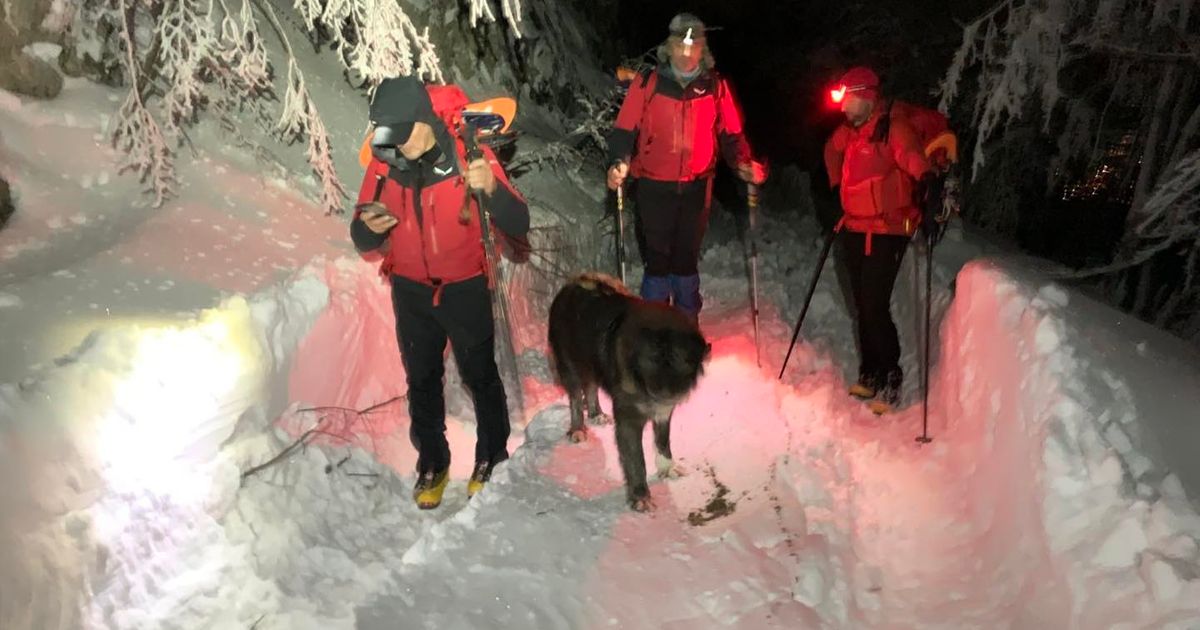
(684, 22)
(859, 79)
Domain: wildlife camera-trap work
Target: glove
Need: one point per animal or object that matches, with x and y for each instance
(752, 172)
(930, 196)
(617, 172)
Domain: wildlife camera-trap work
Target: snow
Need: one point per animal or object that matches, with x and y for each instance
(155, 357)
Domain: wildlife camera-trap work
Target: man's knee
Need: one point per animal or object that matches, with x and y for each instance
(478, 366)
(424, 377)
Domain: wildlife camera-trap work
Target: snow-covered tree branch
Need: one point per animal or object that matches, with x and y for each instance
(375, 38)
(511, 10)
(137, 133)
(181, 57)
(1090, 71)
(300, 120)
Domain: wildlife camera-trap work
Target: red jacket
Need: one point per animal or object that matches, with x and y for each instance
(432, 243)
(877, 178)
(670, 132)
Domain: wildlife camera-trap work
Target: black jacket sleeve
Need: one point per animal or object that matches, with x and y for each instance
(364, 239)
(622, 142)
(509, 212)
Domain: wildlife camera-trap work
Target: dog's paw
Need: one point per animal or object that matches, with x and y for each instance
(600, 419)
(578, 435)
(668, 468)
(642, 504)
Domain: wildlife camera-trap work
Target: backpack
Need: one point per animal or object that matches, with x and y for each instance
(448, 102)
(941, 148)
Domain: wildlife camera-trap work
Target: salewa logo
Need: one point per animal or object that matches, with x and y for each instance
(449, 167)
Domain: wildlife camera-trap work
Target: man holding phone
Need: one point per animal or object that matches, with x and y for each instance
(417, 208)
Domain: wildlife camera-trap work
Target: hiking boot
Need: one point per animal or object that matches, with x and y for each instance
(427, 492)
(865, 388)
(483, 472)
(887, 398)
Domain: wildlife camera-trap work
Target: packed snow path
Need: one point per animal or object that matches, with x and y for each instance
(798, 509)
(784, 519)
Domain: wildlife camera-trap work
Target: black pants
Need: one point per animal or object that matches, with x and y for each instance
(670, 222)
(872, 279)
(464, 315)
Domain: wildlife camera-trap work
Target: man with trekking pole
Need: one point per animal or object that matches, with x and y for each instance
(877, 162)
(671, 125)
(428, 204)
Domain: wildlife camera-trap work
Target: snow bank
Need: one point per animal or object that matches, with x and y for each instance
(1056, 450)
(126, 505)
(115, 473)
(1036, 505)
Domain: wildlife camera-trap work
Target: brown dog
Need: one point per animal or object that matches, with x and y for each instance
(646, 356)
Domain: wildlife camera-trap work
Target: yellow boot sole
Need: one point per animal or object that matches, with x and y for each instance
(879, 407)
(474, 486)
(430, 498)
(860, 391)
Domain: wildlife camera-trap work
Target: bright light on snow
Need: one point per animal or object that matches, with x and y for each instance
(154, 435)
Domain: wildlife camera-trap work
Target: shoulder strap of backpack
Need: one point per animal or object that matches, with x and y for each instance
(649, 82)
(884, 126)
(719, 89)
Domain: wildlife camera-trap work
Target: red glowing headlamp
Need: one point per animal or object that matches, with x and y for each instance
(838, 94)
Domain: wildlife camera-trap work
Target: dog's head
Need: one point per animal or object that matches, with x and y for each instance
(668, 361)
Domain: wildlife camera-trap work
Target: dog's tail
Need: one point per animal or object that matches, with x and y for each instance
(596, 281)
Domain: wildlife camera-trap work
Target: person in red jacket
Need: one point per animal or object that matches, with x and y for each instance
(416, 210)
(877, 164)
(671, 125)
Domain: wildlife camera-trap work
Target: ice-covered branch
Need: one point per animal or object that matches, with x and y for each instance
(187, 45)
(1130, 119)
(510, 9)
(1174, 208)
(181, 56)
(244, 69)
(136, 133)
(300, 120)
(385, 42)
(1019, 50)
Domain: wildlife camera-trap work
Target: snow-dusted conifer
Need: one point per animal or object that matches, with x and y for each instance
(181, 56)
(1140, 59)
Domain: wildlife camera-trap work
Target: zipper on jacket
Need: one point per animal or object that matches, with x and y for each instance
(679, 133)
(417, 210)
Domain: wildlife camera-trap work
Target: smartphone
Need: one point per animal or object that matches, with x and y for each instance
(371, 209)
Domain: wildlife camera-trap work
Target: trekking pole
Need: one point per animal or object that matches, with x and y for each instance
(621, 231)
(924, 437)
(812, 287)
(496, 285)
(752, 206)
